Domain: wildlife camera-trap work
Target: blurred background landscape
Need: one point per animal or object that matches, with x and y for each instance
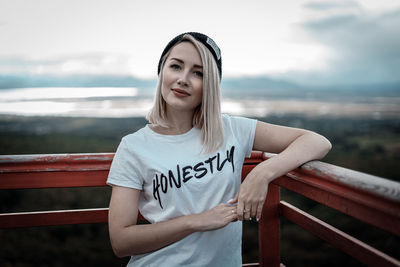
(79, 85)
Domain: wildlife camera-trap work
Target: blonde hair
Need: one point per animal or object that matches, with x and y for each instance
(207, 116)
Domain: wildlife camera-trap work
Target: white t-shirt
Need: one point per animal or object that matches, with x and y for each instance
(177, 179)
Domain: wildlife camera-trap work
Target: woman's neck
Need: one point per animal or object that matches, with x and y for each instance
(179, 122)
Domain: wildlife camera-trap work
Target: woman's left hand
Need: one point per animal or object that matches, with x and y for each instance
(293, 148)
(251, 196)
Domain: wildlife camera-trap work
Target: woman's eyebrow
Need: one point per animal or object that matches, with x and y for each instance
(177, 59)
(182, 62)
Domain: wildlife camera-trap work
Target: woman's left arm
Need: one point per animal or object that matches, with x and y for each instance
(293, 146)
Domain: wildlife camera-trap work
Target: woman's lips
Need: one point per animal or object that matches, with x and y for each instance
(180, 92)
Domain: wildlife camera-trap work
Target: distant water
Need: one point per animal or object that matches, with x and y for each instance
(121, 102)
(73, 101)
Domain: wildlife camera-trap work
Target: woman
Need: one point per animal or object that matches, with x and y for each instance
(182, 171)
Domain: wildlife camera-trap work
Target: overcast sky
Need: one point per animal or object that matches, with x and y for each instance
(341, 40)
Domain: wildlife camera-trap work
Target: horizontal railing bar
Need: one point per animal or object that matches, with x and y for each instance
(57, 179)
(55, 162)
(370, 183)
(363, 206)
(57, 217)
(256, 157)
(46, 158)
(49, 218)
(356, 195)
(350, 245)
(382, 187)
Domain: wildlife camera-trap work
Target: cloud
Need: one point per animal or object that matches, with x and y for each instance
(364, 45)
(331, 5)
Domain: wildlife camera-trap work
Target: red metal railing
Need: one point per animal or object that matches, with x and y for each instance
(371, 199)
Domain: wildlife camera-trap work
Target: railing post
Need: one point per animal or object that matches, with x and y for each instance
(269, 229)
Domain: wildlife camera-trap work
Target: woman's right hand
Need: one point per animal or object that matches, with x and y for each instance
(128, 238)
(215, 218)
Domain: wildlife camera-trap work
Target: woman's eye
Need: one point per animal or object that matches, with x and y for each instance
(175, 66)
(198, 73)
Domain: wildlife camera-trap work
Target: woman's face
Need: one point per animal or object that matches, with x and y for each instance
(182, 82)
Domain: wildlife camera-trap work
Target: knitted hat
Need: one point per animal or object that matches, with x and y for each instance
(204, 39)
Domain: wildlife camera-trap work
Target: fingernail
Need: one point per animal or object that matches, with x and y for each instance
(230, 203)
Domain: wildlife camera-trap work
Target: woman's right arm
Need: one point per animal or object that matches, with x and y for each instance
(128, 239)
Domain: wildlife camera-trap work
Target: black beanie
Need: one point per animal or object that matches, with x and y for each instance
(204, 39)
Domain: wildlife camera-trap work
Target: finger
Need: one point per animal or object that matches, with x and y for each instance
(239, 210)
(235, 199)
(234, 215)
(253, 211)
(246, 212)
(259, 211)
(231, 211)
(230, 215)
(234, 210)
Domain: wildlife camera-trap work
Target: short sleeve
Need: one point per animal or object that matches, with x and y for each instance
(244, 130)
(124, 169)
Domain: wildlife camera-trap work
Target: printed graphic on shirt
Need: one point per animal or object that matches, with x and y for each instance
(183, 174)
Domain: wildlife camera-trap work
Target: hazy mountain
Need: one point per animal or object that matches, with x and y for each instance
(25, 81)
(251, 87)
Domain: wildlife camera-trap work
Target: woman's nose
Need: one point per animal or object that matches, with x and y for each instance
(182, 80)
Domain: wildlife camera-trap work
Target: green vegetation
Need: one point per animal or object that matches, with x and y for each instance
(371, 146)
